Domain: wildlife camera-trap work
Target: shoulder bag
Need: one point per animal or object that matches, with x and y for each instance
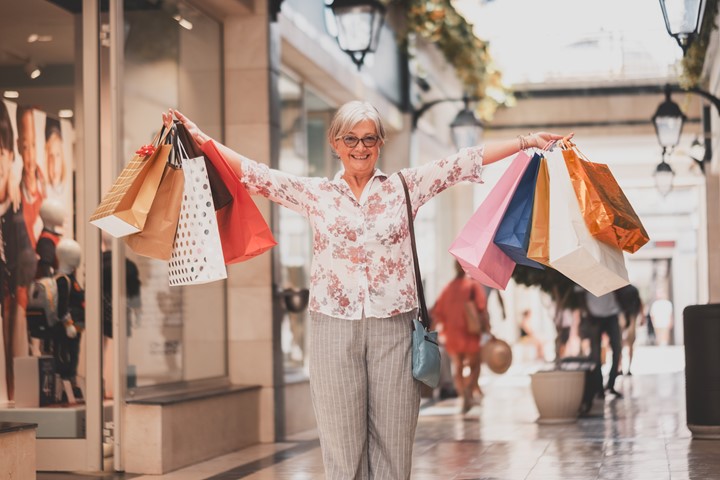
(425, 348)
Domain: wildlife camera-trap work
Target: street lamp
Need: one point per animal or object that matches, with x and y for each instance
(668, 121)
(664, 177)
(683, 20)
(358, 25)
(465, 129)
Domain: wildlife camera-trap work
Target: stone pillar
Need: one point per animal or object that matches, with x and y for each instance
(251, 50)
(713, 235)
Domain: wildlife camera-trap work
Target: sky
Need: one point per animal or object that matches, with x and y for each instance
(538, 41)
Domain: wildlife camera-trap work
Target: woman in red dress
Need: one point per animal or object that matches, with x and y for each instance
(450, 315)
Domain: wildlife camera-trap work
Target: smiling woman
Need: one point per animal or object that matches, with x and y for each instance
(363, 293)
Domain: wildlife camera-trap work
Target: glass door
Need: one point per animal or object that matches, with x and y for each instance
(49, 361)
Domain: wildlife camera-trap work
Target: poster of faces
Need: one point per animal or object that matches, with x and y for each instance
(41, 166)
(36, 165)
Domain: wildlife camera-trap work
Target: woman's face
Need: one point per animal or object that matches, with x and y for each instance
(26, 141)
(55, 159)
(359, 149)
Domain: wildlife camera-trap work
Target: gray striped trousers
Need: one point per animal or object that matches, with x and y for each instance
(365, 399)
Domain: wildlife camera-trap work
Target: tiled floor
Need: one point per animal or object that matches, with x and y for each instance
(641, 436)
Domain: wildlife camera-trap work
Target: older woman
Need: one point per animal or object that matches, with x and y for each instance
(362, 295)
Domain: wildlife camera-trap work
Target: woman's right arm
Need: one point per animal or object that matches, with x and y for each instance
(287, 190)
(200, 137)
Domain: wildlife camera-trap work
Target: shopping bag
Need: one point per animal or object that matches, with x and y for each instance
(605, 208)
(574, 252)
(539, 243)
(244, 233)
(157, 237)
(513, 233)
(220, 193)
(125, 207)
(474, 247)
(197, 255)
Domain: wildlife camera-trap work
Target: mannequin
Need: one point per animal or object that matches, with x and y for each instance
(52, 213)
(71, 311)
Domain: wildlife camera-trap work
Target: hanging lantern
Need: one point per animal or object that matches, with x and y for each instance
(358, 24)
(683, 20)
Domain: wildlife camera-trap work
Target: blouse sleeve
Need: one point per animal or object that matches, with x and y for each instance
(426, 181)
(291, 191)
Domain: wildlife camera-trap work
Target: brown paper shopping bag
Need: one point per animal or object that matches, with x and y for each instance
(539, 246)
(124, 208)
(157, 237)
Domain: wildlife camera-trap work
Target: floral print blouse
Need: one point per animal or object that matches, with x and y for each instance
(362, 257)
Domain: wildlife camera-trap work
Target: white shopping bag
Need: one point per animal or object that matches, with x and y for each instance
(594, 265)
(197, 255)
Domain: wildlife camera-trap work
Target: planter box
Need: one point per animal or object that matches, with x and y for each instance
(558, 394)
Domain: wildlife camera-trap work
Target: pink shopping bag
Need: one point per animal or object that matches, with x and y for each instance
(474, 247)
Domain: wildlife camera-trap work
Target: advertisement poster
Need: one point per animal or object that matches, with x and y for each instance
(36, 165)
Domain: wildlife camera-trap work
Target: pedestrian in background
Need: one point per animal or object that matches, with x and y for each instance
(632, 307)
(602, 317)
(451, 314)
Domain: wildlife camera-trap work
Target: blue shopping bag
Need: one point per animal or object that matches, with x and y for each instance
(513, 233)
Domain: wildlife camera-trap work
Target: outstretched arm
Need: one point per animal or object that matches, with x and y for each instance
(499, 149)
(200, 137)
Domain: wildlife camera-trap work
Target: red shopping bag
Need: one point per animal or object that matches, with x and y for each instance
(243, 231)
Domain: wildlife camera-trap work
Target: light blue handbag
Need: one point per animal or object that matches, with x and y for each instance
(425, 348)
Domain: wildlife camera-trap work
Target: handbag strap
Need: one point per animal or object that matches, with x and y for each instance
(424, 316)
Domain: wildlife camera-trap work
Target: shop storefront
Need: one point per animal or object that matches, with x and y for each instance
(83, 85)
(79, 97)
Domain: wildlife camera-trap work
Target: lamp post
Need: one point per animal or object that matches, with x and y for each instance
(664, 177)
(669, 121)
(683, 20)
(358, 24)
(465, 129)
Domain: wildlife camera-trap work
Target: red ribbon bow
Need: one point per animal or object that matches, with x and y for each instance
(146, 150)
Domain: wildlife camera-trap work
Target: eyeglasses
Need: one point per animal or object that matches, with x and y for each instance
(351, 141)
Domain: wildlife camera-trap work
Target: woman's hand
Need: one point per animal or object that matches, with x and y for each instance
(542, 139)
(195, 133)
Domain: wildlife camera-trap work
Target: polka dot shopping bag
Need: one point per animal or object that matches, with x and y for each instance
(197, 255)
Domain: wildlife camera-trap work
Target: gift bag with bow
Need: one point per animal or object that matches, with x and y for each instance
(157, 237)
(124, 209)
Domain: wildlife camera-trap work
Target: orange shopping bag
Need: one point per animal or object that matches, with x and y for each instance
(539, 246)
(606, 210)
(243, 231)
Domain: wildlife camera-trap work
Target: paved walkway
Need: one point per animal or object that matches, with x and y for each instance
(641, 436)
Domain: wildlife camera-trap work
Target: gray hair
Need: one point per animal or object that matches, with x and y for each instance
(352, 113)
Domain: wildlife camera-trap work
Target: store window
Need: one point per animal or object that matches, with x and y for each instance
(176, 335)
(305, 118)
(42, 361)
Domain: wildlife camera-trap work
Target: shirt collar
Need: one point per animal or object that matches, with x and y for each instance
(339, 174)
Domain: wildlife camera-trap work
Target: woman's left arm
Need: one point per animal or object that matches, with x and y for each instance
(428, 180)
